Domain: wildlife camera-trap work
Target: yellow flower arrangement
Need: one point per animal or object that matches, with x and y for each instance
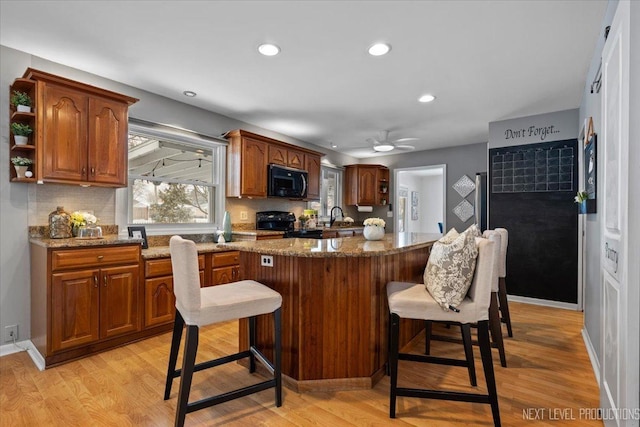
(80, 219)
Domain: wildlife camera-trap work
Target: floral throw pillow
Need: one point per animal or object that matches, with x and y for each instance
(450, 268)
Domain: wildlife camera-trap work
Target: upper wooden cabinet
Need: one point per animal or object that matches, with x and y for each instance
(248, 156)
(366, 185)
(81, 132)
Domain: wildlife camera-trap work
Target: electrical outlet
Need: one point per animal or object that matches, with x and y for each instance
(266, 260)
(389, 214)
(244, 216)
(10, 333)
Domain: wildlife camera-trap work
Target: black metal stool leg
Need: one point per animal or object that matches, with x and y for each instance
(427, 336)
(487, 364)
(468, 352)
(252, 343)
(504, 305)
(277, 315)
(178, 324)
(188, 363)
(394, 327)
(496, 329)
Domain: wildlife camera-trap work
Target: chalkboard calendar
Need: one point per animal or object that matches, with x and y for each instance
(533, 168)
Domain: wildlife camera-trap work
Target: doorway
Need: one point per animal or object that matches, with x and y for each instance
(421, 199)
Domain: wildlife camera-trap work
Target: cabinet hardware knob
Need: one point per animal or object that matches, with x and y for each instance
(105, 280)
(100, 257)
(93, 171)
(84, 170)
(95, 280)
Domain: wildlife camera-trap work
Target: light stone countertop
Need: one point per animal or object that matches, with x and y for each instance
(74, 242)
(356, 246)
(163, 251)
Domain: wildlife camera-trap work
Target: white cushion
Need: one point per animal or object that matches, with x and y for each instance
(504, 242)
(450, 267)
(495, 237)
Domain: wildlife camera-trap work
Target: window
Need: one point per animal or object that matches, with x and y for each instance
(330, 192)
(174, 177)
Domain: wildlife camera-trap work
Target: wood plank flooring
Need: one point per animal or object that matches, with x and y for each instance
(548, 376)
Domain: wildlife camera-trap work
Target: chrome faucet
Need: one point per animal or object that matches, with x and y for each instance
(332, 218)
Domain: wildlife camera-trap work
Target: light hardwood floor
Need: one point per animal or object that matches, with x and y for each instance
(548, 373)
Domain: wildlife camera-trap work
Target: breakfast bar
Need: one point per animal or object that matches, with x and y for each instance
(334, 319)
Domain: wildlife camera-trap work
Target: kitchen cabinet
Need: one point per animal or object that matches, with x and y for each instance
(335, 233)
(83, 299)
(26, 118)
(248, 157)
(159, 300)
(225, 267)
(81, 132)
(366, 185)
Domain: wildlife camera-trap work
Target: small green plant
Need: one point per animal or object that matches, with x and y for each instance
(21, 161)
(20, 129)
(581, 196)
(20, 98)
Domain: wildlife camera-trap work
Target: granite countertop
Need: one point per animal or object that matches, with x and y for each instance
(163, 251)
(74, 242)
(257, 233)
(356, 246)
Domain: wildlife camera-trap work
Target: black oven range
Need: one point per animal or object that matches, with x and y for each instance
(283, 221)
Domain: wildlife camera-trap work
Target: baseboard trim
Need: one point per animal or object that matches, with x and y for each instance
(543, 302)
(595, 363)
(27, 346)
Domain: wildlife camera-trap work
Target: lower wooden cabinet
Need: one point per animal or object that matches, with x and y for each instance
(225, 267)
(159, 302)
(84, 300)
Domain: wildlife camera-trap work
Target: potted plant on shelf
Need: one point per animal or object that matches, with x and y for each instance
(21, 164)
(22, 101)
(21, 133)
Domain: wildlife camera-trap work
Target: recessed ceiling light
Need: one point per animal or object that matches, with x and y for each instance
(333, 145)
(426, 98)
(268, 49)
(383, 147)
(379, 49)
(189, 93)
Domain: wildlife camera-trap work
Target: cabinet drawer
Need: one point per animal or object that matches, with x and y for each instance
(162, 266)
(223, 259)
(224, 275)
(74, 258)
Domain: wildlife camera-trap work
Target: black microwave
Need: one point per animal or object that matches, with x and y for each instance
(287, 182)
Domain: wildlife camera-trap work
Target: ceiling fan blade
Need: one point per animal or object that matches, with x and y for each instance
(405, 147)
(405, 140)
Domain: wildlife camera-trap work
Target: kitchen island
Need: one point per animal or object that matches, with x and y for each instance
(334, 309)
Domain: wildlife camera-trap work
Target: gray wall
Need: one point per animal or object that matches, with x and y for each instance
(15, 198)
(460, 160)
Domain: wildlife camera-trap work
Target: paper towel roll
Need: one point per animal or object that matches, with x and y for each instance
(365, 208)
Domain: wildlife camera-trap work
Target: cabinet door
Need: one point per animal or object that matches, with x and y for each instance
(295, 159)
(224, 275)
(74, 309)
(312, 165)
(107, 146)
(159, 301)
(367, 185)
(277, 155)
(254, 168)
(64, 151)
(118, 300)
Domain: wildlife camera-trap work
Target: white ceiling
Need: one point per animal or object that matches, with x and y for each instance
(483, 60)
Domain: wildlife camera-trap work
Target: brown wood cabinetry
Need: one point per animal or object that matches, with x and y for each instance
(225, 267)
(80, 132)
(332, 234)
(248, 156)
(27, 150)
(366, 185)
(83, 298)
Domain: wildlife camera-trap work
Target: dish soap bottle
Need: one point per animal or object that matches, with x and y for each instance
(226, 226)
(59, 224)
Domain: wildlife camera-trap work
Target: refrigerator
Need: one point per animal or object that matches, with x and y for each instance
(480, 206)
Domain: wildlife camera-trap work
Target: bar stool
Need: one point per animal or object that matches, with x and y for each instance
(502, 285)
(198, 307)
(413, 301)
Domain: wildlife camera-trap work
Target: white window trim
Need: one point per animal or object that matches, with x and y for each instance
(123, 195)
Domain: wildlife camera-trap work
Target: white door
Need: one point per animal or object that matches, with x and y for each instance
(617, 371)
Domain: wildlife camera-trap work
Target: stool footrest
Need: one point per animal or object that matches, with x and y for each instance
(443, 395)
(267, 364)
(215, 362)
(225, 397)
(458, 340)
(431, 359)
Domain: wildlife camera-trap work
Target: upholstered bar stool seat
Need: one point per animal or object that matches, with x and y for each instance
(502, 285)
(196, 307)
(413, 301)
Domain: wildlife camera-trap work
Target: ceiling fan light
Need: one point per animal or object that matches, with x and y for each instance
(268, 49)
(426, 98)
(379, 49)
(383, 147)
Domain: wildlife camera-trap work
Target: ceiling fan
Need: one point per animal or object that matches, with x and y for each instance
(383, 144)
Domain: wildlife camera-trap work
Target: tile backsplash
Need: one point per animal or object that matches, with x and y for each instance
(43, 199)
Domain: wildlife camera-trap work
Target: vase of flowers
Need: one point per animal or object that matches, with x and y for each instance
(80, 220)
(581, 199)
(373, 228)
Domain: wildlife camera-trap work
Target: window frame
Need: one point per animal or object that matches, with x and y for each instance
(323, 191)
(192, 139)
